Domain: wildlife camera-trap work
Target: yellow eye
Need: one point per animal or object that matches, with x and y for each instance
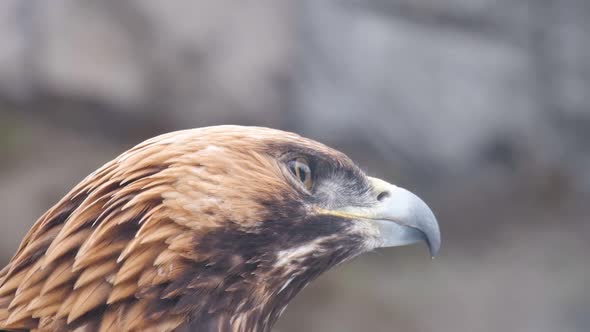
(300, 169)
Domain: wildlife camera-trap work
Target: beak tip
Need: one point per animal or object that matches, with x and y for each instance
(434, 249)
(434, 242)
(426, 222)
(433, 238)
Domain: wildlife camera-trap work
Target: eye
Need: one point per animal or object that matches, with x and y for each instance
(299, 167)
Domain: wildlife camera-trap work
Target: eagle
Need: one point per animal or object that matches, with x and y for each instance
(208, 229)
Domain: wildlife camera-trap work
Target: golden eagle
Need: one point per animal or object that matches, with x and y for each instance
(211, 229)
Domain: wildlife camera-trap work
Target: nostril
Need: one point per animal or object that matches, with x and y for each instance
(382, 195)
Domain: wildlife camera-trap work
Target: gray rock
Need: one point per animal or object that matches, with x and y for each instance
(441, 89)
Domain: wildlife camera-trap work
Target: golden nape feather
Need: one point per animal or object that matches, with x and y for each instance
(211, 229)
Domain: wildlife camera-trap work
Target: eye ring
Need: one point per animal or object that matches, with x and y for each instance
(300, 169)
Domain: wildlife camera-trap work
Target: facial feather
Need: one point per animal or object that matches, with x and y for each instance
(199, 228)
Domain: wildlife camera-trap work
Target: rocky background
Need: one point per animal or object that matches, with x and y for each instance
(482, 107)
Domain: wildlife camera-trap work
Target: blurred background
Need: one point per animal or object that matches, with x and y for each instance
(482, 107)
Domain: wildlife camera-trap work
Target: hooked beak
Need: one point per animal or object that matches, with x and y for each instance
(403, 218)
(398, 216)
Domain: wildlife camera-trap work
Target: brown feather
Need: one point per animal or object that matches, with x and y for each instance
(95, 272)
(119, 251)
(110, 319)
(104, 251)
(122, 291)
(89, 298)
(52, 298)
(62, 274)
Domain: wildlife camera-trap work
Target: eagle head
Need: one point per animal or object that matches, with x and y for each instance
(211, 229)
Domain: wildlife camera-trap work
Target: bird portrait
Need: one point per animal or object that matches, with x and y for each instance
(208, 229)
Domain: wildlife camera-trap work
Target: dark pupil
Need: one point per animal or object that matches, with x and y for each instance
(299, 170)
(301, 173)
